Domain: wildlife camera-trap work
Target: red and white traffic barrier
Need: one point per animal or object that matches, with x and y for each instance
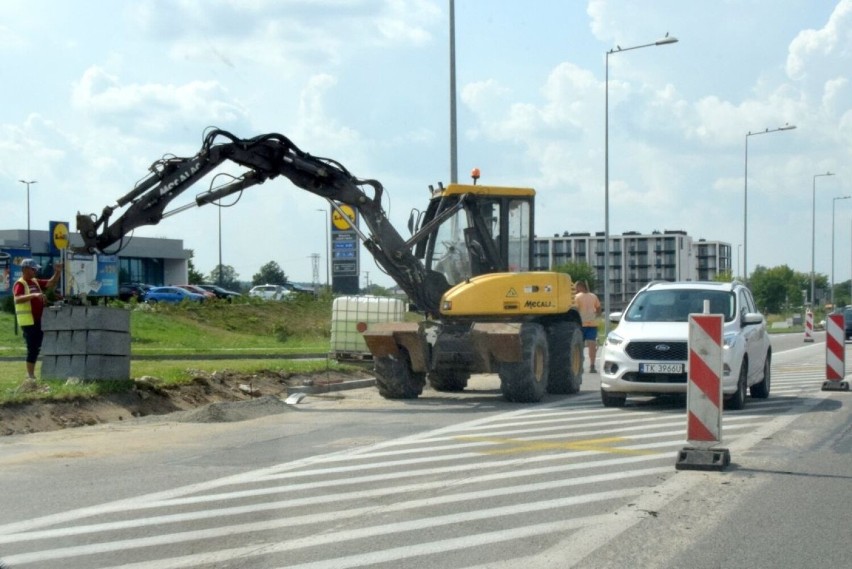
(809, 326)
(704, 396)
(835, 354)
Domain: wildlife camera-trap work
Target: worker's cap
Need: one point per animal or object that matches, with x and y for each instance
(30, 264)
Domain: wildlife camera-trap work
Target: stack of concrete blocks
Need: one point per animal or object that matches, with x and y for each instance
(86, 342)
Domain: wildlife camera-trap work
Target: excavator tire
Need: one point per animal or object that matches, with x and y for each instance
(395, 379)
(526, 381)
(565, 345)
(448, 380)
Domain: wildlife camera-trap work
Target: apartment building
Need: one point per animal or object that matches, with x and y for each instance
(635, 259)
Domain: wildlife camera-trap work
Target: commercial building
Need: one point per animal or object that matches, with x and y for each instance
(635, 259)
(148, 260)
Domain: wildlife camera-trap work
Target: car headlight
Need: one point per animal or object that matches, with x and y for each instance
(729, 339)
(614, 339)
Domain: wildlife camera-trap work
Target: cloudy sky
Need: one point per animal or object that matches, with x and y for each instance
(97, 90)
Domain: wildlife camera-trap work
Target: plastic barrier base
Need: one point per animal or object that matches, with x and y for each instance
(835, 386)
(690, 458)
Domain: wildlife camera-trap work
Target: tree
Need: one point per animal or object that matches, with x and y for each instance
(724, 277)
(579, 272)
(270, 273)
(375, 290)
(193, 276)
(779, 288)
(225, 276)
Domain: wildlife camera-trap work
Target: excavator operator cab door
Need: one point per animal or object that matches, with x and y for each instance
(491, 231)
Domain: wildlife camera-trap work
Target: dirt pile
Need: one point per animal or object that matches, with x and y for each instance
(220, 396)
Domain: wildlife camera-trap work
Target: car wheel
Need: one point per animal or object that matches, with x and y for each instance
(737, 400)
(613, 399)
(761, 390)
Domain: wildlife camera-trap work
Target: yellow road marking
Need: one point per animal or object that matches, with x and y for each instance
(517, 446)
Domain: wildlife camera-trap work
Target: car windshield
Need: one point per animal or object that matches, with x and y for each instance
(676, 305)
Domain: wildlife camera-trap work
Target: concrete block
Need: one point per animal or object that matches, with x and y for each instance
(56, 318)
(690, 458)
(63, 367)
(105, 318)
(107, 368)
(48, 367)
(105, 342)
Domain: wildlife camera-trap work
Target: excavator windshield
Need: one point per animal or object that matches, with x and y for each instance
(486, 234)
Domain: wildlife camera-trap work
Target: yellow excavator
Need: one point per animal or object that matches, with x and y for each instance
(465, 267)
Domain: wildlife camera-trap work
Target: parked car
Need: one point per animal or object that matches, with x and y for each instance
(296, 289)
(280, 292)
(647, 353)
(220, 292)
(172, 294)
(268, 292)
(127, 291)
(197, 290)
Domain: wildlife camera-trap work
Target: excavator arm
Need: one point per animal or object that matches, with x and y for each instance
(266, 157)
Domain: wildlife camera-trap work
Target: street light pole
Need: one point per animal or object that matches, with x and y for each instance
(606, 292)
(327, 229)
(219, 207)
(29, 238)
(739, 248)
(833, 201)
(745, 194)
(454, 163)
(813, 232)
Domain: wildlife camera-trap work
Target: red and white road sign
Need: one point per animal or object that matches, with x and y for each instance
(704, 380)
(809, 326)
(835, 347)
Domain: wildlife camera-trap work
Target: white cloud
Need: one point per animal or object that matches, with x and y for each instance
(152, 108)
(833, 39)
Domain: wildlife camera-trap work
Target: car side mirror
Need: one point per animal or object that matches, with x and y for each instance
(752, 318)
(615, 317)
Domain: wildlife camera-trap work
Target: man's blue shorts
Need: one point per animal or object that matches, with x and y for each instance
(590, 333)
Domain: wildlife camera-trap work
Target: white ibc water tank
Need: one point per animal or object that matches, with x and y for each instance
(351, 315)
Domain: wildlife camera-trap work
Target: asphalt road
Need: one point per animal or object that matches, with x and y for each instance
(449, 480)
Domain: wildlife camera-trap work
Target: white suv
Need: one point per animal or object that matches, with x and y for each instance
(646, 354)
(269, 292)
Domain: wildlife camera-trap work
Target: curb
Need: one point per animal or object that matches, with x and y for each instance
(330, 386)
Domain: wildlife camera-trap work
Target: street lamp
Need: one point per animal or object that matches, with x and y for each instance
(664, 41)
(739, 248)
(454, 154)
(833, 201)
(745, 194)
(327, 229)
(813, 231)
(29, 239)
(220, 243)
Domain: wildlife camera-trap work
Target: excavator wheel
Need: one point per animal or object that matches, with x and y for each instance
(526, 381)
(448, 380)
(565, 344)
(395, 379)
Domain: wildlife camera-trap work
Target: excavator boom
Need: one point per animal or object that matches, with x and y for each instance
(266, 157)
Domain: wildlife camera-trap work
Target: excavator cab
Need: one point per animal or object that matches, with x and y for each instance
(482, 230)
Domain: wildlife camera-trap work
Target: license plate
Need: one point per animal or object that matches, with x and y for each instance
(660, 368)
